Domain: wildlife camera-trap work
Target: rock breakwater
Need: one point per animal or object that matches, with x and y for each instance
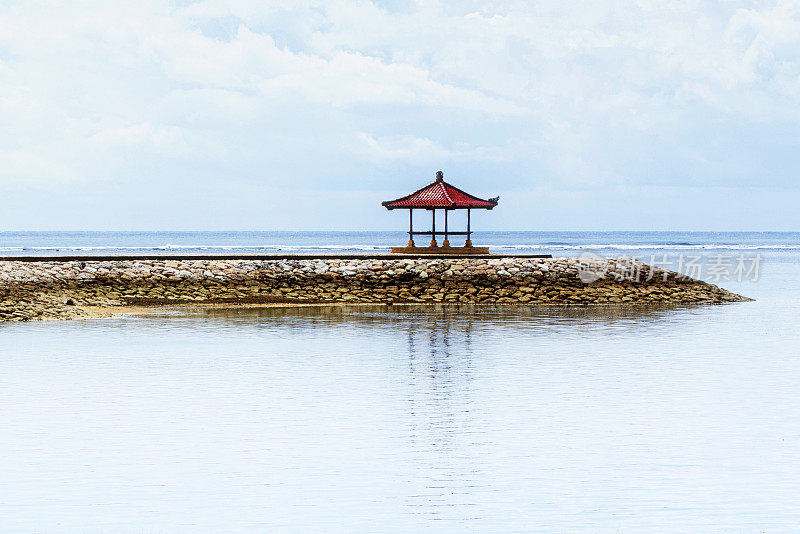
(62, 289)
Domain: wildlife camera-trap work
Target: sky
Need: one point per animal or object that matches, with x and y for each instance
(299, 115)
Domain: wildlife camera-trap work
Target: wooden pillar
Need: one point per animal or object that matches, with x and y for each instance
(433, 229)
(469, 241)
(446, 242)
(410, 228)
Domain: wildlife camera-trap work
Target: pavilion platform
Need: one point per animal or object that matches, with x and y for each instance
(470, 251)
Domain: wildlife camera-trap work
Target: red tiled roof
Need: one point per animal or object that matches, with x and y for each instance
(440, 194)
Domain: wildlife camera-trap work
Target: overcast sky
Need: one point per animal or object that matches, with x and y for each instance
(254, 114)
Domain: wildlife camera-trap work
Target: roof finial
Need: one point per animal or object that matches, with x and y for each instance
(439, 176)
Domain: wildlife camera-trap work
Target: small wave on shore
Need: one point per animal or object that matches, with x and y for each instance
(707, 246)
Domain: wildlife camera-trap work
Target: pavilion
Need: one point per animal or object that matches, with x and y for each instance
(440, 195)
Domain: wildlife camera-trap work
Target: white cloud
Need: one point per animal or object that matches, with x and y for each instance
(143, 134)
(30, 168)
(388, 149)
(352, 79)
(304, 93)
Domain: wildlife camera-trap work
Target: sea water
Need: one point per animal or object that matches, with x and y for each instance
(563, 243)
(409, 418)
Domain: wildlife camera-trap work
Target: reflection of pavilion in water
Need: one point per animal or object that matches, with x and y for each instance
(443, 431)
(441, 360)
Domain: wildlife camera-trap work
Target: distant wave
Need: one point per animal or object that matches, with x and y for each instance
(279, 247)
(82, 248)
(707, 246)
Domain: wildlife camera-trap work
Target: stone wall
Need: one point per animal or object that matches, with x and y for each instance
(60, 289)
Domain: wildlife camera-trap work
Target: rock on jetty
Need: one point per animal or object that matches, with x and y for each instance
(61, 289)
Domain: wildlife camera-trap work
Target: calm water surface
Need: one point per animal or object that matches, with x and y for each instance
(364, 419)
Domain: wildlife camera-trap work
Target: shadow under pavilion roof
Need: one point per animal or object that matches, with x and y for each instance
(440, 195)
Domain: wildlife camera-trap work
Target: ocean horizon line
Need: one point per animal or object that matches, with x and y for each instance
(390, 231)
